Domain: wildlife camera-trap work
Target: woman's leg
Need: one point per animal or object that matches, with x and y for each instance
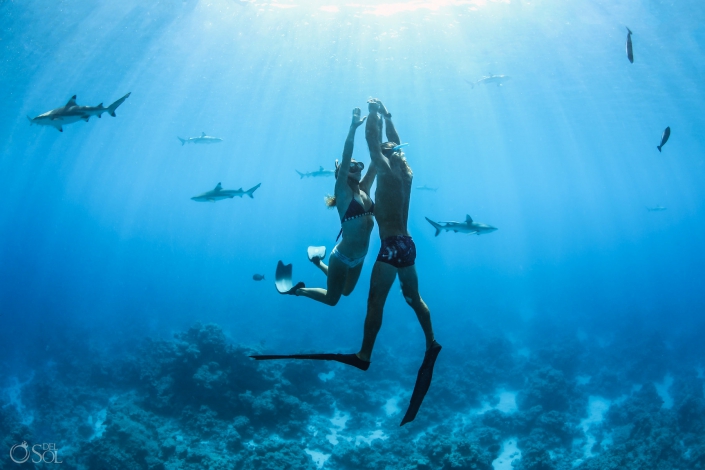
(351, 280)
(320, 265)
(337, 274)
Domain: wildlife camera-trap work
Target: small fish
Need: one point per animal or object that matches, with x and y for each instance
(258, 277)
(664, 138)
(426, 188)
(656, 209)
(630, 51)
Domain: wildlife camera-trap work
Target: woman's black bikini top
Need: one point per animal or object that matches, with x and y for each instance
(355, 211)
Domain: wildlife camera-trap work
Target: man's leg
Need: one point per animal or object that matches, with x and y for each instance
(383, 276)
(410, 289)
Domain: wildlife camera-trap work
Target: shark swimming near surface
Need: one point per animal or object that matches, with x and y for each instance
(487, 79)
(630, 49)
(204, 139)
(469, 226)
(656, 209)
(426, 188)
(315, 174)
(219, 193)
(72, 112)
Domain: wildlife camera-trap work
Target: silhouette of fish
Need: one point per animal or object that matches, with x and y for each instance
(258, 277)
(630, 51)
(664, 138)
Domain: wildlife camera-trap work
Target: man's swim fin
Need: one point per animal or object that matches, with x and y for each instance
(349, 359)
(282, 280)
(423, 383)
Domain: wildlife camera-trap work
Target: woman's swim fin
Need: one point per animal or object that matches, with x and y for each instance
(282, 280)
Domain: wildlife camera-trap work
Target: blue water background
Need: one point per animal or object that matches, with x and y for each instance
(98, 234)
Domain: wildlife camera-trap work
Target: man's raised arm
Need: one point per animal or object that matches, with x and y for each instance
(372, 136)
(392, 134)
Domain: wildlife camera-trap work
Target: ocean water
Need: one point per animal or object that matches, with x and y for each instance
(572, 336)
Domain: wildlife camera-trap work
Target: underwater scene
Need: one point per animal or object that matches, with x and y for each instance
(375, 234)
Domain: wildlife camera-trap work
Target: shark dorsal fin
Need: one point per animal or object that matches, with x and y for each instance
(72, 102)
(203, 134)
(218, 187)
(468, 219)
(320, 168)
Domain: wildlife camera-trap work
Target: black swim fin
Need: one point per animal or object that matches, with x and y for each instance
(423, 383)
(349, 359)
(282, 280)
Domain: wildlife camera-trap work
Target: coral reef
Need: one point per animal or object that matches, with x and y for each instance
(198, 401)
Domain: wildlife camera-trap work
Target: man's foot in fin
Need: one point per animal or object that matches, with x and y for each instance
(349, 359)
(316, 254)
(282, 280)
(423, 382)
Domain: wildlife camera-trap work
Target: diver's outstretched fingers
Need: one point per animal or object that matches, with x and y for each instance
(423, 382)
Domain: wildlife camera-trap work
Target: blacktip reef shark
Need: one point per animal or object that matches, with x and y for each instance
(316, 174)
(204, 139)
(219, 193)
(656, 209)
(72, 112)
(426, 188)
(487, 79)
(469, 226)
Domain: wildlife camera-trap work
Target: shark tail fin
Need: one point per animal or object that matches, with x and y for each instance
(111, 109)
(300, 174)
(435, 225)
(30, 120)
(183, 141)
(658, 147)
(250, 191)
